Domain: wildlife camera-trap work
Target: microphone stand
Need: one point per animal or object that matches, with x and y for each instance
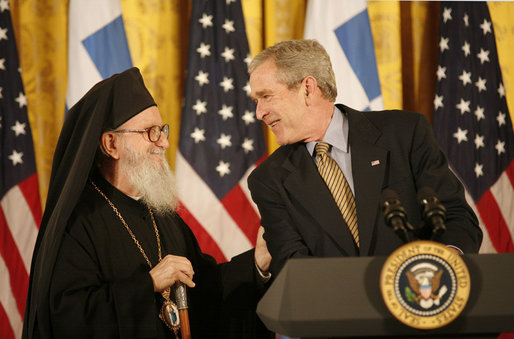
(181, 299)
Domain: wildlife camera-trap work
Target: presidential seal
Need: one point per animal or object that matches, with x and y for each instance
(425, 285)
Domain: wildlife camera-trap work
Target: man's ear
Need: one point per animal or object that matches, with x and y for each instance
(310, 86)
(110, 144)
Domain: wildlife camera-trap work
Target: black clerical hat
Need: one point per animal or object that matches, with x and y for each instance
(119, 97)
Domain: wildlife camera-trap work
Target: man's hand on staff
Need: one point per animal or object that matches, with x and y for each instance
(171, 269)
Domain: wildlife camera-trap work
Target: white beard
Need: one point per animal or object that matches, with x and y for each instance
(152, 179)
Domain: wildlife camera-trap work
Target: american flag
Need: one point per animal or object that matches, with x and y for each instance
(472, 121)
(20, 212)
(221, 140)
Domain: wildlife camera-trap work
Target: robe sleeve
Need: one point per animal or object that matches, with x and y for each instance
(227, 294)
(242, 290)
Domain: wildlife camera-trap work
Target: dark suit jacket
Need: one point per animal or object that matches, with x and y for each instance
(301, 218)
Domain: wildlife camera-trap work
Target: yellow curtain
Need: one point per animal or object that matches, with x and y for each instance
(405, 37)
(253, 12)
(41, 29)
(384, 18)
(502, 14)
(284, 20)
(419, 31)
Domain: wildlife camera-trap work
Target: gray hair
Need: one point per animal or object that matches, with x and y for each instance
(297, 59)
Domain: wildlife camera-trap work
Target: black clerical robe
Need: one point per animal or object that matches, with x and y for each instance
(101, 287)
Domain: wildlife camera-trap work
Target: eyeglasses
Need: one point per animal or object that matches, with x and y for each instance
(154, 132)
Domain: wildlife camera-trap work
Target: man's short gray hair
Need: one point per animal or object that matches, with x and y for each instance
(297, 59)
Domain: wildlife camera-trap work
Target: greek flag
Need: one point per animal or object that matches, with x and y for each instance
(343, 28)
(97, 45)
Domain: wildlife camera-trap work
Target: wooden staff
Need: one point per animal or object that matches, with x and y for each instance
(185, 331)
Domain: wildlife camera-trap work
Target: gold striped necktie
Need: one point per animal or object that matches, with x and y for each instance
(338, 186)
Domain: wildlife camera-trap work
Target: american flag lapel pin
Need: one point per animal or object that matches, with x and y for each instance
(375, 163)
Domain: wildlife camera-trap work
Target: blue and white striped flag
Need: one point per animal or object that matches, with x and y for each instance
(97, 45)
(343, 28)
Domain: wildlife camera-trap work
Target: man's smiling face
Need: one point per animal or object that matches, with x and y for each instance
(283, 109)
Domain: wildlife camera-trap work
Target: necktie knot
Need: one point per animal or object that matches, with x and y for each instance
(321, 148)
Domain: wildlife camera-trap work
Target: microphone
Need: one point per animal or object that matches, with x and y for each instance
(434, 213)
(394, 214)
(181, 299)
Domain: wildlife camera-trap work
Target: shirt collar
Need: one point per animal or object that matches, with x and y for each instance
(336, 133)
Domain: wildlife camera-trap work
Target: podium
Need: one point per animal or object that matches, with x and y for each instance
(341, 297)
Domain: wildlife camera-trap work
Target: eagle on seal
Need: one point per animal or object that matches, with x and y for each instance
(424, 285)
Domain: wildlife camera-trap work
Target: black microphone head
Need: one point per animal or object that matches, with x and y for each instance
(391, 204)
(425, 193)
(427, 198)
(433, 212)
(389, 195)
(394, 214)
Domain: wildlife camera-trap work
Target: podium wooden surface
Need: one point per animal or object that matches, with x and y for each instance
(340, 297)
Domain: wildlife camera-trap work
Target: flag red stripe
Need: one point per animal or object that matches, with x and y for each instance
(5, 326)
(510, 173)
(240, 209)
(29, 189)
(207, 244)
(261, 159)
(495, 224)
(18, 276)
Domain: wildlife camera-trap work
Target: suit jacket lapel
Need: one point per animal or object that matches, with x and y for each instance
(368, 166)
(307, 187)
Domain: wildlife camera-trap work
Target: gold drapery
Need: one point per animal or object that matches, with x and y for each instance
(404, 33)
